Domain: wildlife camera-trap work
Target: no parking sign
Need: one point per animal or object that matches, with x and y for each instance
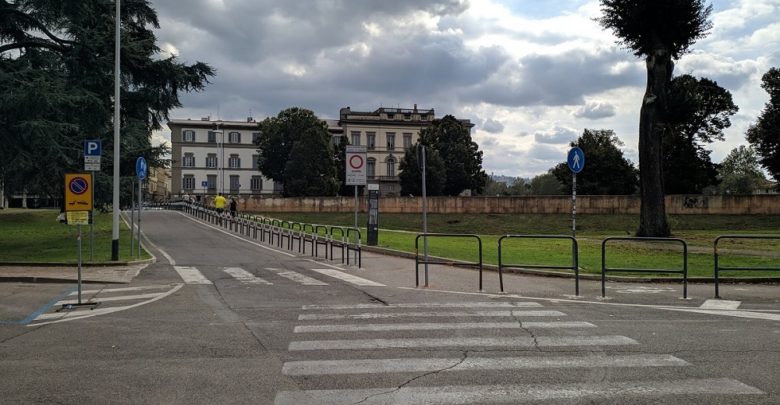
(78, 192)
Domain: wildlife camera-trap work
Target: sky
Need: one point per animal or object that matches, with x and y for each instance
(530, 74)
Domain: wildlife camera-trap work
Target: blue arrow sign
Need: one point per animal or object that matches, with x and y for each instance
(576, 159)
(92, 147)
(140, 168)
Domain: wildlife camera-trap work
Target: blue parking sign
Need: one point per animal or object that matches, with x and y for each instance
(92, 147)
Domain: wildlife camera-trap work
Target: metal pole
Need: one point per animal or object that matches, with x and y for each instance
(92, 222)
(222, 164)
(425, 217)
(132, 219)
(140, 206)
(356, 205)
(79, 274)
(574, 205)
(115, 196)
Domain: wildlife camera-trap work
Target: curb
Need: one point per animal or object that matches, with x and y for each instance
(71, 264)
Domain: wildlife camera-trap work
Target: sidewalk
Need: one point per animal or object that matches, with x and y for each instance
(58, 273)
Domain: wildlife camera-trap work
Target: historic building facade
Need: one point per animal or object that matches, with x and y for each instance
(221, 156)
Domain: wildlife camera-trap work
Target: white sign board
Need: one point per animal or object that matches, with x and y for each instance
(92, 163)
(356, 166)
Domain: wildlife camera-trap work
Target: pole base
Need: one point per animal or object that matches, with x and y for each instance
(115, 250)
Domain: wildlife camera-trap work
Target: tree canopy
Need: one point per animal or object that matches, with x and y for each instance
(659, 31)
(410, 177)
(740, 171)
(462, 158)
(56, 80)
(765, 133)
(296, 151)
(606, 172)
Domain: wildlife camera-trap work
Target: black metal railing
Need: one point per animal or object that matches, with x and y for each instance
(574, 258)
(605, 269)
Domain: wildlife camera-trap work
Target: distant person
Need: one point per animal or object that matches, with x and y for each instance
(219, 203)
(233, 207)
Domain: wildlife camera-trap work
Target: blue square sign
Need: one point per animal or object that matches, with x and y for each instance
(92, 147)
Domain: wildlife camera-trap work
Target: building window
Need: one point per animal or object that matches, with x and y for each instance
(255, 137)
(423, 117)
(371, 168)
(391, 141)
(356, 138)
(255, 162)
(407, 116)
(234, 137)
(189, 136)
(234, 162)
(189, 160)
(211, 160)
(212, 137)
(211, 179)
(407, 140)
(257, 183)
(188, 182)
(390, 116)
(371, 140)
(391, 166)
(235, 186)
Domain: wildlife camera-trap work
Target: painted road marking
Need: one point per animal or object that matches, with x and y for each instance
(382, 327)
(74, 315)
(191, 275)
(720, 304)
(297, 277)
(244, 276)
(124, 289)
(374, 315)
(421, 365)
(504, 342)
(107, 299)
(497, 304)
(348, 277)
(459, 394)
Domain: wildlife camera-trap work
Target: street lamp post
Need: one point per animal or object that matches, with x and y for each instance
(115, 196)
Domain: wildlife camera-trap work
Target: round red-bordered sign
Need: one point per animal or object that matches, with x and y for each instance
(78, 185)
(356, 161)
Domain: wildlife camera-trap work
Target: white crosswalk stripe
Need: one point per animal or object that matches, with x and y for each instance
(419, 365)
(461, 314)
(244, 276)
(352, 279)
(488, 332)
(297, 277)
(191, 275)
(513, 394)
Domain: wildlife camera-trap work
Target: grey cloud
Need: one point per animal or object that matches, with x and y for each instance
(492, 126)
(558, 135)
(595, 110)
(555, 80)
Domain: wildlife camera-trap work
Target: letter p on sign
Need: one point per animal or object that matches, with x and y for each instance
(92, 147)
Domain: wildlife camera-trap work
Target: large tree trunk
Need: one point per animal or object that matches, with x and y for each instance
(652, 123)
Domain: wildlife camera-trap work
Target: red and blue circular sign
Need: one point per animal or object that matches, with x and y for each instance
(78, 185)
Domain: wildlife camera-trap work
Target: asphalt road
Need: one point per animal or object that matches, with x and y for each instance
(221, 320)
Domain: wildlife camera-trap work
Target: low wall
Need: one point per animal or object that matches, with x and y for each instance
(675, 204)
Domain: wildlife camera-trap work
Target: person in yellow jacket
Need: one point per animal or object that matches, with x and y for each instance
(219, 203)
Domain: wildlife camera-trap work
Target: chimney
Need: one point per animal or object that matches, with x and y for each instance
(415, 107)
(250, 119)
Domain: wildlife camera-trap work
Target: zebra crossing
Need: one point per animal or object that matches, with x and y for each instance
(193, 275)
(334, 344)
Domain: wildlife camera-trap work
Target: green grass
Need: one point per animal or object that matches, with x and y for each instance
(398, 231)
(36, 236)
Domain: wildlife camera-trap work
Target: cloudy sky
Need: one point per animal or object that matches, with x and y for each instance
(531, 74)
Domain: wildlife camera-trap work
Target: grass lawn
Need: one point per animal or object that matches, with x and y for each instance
(36, 236)
(398, 231)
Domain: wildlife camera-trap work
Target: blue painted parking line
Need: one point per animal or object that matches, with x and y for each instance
(40, 310)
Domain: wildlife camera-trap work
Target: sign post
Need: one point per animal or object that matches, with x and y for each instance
(92, 154)
(140, 172)
(576, 162)
(356, 171)
(421, 162)
(78, 205)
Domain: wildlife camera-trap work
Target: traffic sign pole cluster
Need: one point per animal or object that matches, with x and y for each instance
(356, 171)
(576, 162)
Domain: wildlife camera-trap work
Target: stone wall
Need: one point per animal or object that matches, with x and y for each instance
(675, 204)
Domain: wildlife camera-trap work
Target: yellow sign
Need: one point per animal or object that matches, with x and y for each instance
(78, 192)
(77, 217)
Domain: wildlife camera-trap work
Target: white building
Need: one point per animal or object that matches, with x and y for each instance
(211, 157)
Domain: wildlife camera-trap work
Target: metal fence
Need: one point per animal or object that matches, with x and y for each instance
(575, 261)
(719, 268)
(605, 269)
